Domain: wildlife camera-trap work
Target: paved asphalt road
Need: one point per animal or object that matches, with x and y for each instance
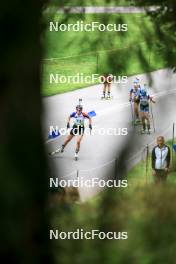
(98, 153)
(106, 10)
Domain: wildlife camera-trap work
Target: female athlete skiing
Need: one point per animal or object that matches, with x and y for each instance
(76, 130)
(134, 97)
(107, 81)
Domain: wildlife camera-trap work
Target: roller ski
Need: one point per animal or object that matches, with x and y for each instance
(137, 122)
(145, 132)
(108, 97)
(103, 98)
(145, 128)
(59, 150)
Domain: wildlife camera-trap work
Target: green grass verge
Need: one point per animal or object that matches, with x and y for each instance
(121, 53)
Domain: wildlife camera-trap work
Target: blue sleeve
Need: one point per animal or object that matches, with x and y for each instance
(73, 114)
(131, 90)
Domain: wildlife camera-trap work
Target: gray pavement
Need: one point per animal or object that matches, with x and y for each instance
(104, 10)
(98, 153)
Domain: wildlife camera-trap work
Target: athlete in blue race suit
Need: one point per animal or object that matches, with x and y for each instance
(76, 130)
(144, 100)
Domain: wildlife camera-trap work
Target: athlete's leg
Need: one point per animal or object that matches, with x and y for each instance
(104, 89)
(109, 89)
(143, 121)
(136, 110)
(78, 143)
(67, 140)
(148, 120)
(61, 149)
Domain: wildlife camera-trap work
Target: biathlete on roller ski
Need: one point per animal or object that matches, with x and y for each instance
(134, 98)
(107, 81)
(144, 100)
(77, 130)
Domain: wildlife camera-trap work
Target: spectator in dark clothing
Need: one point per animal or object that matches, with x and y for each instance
(160, 160)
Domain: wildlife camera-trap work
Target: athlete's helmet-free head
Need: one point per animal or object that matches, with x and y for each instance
(143, 92)
(136, 83)
(79, 108)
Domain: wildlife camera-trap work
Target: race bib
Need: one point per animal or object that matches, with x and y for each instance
(144, 102)
(79, 121)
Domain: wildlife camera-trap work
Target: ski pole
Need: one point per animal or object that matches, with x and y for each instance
(152, 116)
(147, 159)
(132, 113)
(173, 137)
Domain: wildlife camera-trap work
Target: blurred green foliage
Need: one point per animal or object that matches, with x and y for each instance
(146, 213)
(145, 210)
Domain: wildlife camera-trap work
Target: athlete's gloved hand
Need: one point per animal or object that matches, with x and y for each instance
(68, 125)
(90, 126)
(130, 100)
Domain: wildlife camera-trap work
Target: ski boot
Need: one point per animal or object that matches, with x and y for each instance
(76, 156)
(137, 122)
(148, 131)
(103, 96)
(143, 131)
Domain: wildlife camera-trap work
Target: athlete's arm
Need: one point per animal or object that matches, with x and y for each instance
(68, 122)
(90, 123)
(69, 118)
(131, 93)
(90, 120)
(151, 100)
